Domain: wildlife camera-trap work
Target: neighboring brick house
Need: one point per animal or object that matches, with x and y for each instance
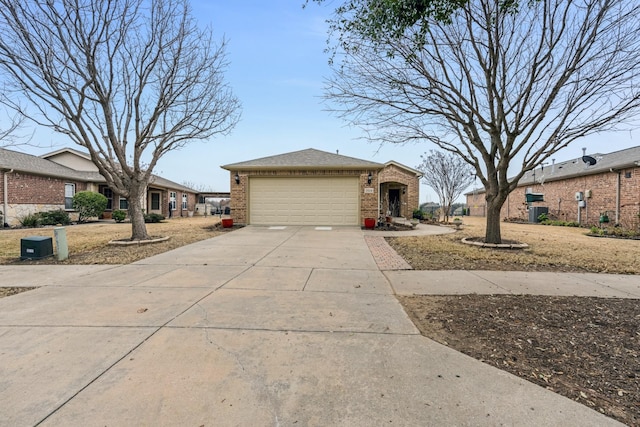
(34, 184)
(575, 191)
(313, 187)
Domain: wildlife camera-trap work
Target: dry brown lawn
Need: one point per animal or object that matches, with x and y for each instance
(88, 243)
(551, 248)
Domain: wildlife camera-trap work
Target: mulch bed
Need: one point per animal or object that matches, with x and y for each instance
(584, 348)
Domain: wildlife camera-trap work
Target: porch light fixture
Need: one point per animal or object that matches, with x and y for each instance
(369, 177)
(237, 178)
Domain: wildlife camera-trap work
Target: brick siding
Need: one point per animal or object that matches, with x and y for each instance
(28, 193)
(559, 197)
(410, 200)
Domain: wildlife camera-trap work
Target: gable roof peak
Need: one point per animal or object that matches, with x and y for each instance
(309, 158)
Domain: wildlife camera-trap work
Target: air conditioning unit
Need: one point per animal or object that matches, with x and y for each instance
(535, 212)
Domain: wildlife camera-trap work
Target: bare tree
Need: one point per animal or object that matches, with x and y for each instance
(8, 134)
(199, 187)
(129, 80)
(503, 89)
(448, 174)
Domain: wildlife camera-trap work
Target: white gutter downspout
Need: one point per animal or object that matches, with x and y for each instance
(617, 194)
(5, 196)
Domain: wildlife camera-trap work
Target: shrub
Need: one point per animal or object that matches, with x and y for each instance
(119, 215)
(418, 214)
(543, 217)
(54, 217)
(89, 204)
(154, 217)
(30, 220)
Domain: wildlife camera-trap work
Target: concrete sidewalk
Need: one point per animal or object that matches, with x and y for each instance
(261, 326)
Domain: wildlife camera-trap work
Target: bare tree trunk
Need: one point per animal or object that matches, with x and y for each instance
(136, 212)
(492, 233)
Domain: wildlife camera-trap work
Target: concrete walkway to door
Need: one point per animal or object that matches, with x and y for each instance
(291, 326)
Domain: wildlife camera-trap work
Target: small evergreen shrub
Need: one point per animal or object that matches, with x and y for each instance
(154, 217)
(119, 215)
(89, 204)
(54, 217)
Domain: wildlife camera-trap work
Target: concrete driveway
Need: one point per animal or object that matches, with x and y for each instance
(292, 326)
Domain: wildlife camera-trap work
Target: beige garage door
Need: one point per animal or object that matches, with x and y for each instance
(304, 201)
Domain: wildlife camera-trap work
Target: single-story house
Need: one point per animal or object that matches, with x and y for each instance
(43, 183)
(576, 190)
(313, 187)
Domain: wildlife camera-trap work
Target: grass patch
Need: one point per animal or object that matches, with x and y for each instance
(88, 243)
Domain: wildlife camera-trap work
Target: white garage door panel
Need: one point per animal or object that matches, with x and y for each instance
(303, 201)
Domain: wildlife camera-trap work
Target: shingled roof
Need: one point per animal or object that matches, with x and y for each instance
(158, 181)
(628, 158)
(28, 163)
(623, 159)
(305, 159)
(40, 165)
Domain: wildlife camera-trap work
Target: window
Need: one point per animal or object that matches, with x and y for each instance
(106, 192)
(184, 201)
(69, 192)
(172, 200)
(155, 201)
(124, 204)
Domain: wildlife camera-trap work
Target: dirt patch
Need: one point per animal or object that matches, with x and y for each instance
(7, 292)
(587, 349)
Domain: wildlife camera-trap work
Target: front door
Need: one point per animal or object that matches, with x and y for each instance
(155, 203)
(394, 202)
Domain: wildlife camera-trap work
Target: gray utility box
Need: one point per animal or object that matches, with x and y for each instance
(535, 212)
(36, 247)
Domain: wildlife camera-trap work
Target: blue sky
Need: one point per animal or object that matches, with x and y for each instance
(277, 67)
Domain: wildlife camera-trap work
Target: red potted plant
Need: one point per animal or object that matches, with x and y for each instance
(370, 223)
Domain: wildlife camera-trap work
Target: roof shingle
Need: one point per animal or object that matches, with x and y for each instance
(629, 157)
(28, 163)
(305, 159)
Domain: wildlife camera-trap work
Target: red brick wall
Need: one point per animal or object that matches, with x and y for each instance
(559, 197)
(27, 193)
(34, 189)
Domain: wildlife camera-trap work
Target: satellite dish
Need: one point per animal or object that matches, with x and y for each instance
(587, 160)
